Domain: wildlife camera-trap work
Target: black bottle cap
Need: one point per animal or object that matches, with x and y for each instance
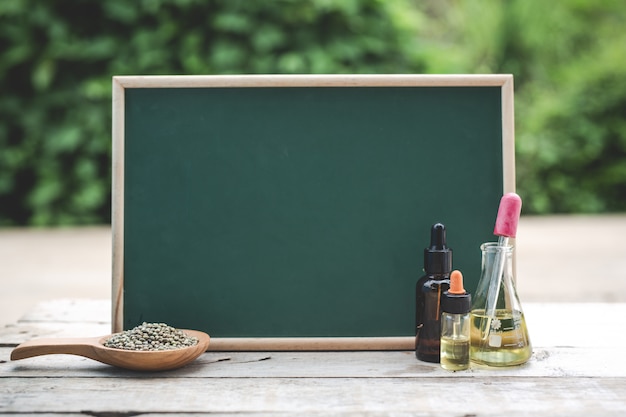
(438, 257)
(456, 303)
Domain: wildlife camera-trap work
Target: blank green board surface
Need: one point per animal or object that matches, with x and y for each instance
(297, 210)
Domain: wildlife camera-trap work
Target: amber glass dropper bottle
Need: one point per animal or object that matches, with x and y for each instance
(428, 292)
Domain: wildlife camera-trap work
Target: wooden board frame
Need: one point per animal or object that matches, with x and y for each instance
(120, 83)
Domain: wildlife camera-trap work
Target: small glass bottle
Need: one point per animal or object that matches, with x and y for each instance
(498, 333)
(428, 292)
(455, 325)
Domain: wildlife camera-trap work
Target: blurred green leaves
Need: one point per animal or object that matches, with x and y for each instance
(57, 59)
(569, 62)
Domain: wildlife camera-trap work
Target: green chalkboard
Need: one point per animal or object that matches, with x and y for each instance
(298, 208)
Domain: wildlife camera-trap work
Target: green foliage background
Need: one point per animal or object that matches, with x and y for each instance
(57, 59)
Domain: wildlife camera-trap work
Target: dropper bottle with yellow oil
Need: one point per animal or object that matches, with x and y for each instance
(455, 325)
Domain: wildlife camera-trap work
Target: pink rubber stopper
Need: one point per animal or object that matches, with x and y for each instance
(508, 215)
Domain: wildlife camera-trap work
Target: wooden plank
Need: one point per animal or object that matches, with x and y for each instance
(311, 343)
(314, 80)
(60, 318)
(574, 324)
(545, 363)
(501, 396)
(70, 311)
(570, 374)
(549, 324)
(117, 214)
(11, 336)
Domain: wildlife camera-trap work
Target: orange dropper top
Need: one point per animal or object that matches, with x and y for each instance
(456, 283)
(456, 300)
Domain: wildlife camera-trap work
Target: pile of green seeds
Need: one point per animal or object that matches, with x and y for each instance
(151, 336)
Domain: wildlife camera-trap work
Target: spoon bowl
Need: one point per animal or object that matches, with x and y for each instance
(93, 348)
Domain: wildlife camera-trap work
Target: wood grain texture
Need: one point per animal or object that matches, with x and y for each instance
(306, 80)
(310, 344)
(502, 396)
(508, 139)
(570, 374)
(549, 324)
(545, 363)
(117, 213)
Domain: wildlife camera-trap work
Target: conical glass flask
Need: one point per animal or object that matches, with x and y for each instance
(498, 333)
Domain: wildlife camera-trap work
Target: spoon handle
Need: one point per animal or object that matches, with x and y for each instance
(80, 346)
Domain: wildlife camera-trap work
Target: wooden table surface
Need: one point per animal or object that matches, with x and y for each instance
(577, 369)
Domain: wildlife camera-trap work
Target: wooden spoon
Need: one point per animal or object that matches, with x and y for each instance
(93, 348)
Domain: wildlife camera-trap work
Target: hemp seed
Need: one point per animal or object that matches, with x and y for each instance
(150, 337)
